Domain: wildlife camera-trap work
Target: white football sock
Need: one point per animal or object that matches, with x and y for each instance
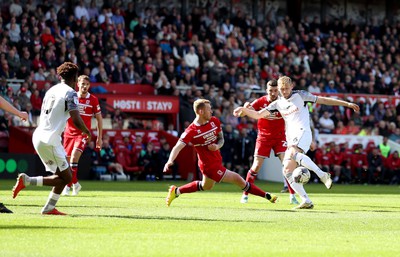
(304, 160)
(36, 181)
(51, 202)
(298, 188)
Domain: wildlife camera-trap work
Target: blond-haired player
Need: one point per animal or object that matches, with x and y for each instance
(292, 105)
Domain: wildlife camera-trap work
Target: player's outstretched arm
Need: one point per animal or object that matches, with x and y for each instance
(79, 124)
(337, 102)
(174, 153)
(240, 111)
(11, 109)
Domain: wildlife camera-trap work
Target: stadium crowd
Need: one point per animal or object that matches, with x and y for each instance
(208, 53)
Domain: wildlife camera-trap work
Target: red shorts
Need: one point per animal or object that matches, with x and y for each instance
(215, 172)
(71, 143)
(264, 146)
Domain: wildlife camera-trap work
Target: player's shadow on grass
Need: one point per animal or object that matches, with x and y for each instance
(380, 208)
(24, 227)
(67, 206)
(139, 217)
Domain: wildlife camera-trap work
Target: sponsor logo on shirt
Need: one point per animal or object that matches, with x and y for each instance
(290, 111)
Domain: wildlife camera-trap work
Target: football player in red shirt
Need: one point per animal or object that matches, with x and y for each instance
(206, 135)
(271, 136)
(74, 141)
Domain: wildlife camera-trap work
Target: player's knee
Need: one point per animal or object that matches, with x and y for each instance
(292, 151)
(256, 167)
(285, 170)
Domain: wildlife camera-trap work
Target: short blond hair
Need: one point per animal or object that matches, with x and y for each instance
(200, 104)
(83, 77)
(285, 80)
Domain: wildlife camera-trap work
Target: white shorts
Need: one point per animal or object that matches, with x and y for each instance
(302, 139)
(53, 157)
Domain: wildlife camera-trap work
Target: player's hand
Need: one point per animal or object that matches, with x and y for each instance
(354, 106)
(24, 116)
(88, 136)
(166, 166)
(99, 142)
(213, 147)
(238, 111)
(246, 104)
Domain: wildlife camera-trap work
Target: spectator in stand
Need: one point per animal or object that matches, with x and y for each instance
(13, 60)
(192, 59)
(23, 98)
(15, 8)
(322, 158)
(107, 158)
(375, 167)
(117, 119)
(10, 95)
(379, 112)
(314, 88)
(359, 164)
(148, 159)
(39, 75)
(81, 11)
(384, 147)
(102, 76)
(148, 79)
(171, 130)
(326, 124)
(395, 136)
(392, 171)
(331, 87)
(340, 129)
(128, 144)
(337, 159)
(36, 102)
(244, 150)
(352, 129)
(38, 63)
(47, 37)
(5, 71)
(119, 75)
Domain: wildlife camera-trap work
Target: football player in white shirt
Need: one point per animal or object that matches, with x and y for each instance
(6, 106)
(59, 103)
(293, 107)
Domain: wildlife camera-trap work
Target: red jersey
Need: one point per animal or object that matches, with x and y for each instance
(392, 162)
(336, 158)
(271, 126)
(88, 107)
(201, 136)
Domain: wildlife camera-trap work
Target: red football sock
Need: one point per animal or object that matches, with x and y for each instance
(251, 177)
(291, 191)
(191, 187)
(254, 190)
(74, 169)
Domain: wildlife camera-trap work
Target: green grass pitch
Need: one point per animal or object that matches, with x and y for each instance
(131, 219)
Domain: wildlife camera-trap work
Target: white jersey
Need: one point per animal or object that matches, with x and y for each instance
(57, 103)
(294, 111)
